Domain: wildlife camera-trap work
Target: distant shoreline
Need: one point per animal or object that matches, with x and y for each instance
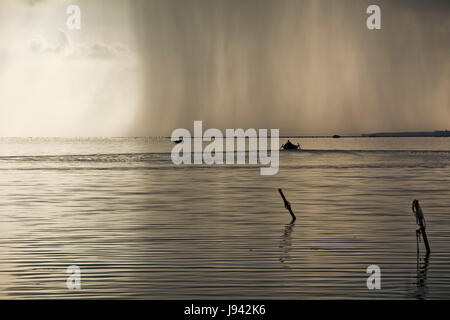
(437, 133)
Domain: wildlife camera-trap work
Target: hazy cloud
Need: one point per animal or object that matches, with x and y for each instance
(102, 50)
(62, 44)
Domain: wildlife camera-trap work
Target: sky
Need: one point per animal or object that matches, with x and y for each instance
(60, 82)
(147, 67)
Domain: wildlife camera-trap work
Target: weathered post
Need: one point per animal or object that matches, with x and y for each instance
(287, 205)
(420, 220)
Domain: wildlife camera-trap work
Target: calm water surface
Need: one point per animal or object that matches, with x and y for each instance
(140, 227)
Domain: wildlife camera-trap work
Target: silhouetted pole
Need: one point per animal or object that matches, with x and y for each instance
(420, 220)
(287, 205)
(425, 239)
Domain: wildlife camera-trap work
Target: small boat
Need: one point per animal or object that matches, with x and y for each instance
(290, 146)
(178, 141)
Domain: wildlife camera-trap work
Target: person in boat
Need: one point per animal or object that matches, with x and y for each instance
(289, 146)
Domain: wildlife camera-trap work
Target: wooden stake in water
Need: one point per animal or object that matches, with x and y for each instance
(287, 205)
(420, 220)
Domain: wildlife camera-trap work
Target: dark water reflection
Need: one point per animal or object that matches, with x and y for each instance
(422, 270)
(286, 243)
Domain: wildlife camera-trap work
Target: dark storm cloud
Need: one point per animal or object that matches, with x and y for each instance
(307, 67)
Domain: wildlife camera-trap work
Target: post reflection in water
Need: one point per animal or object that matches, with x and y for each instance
(422, 270)
(286, 244)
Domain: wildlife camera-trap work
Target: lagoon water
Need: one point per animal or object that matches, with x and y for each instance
(140, 227)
